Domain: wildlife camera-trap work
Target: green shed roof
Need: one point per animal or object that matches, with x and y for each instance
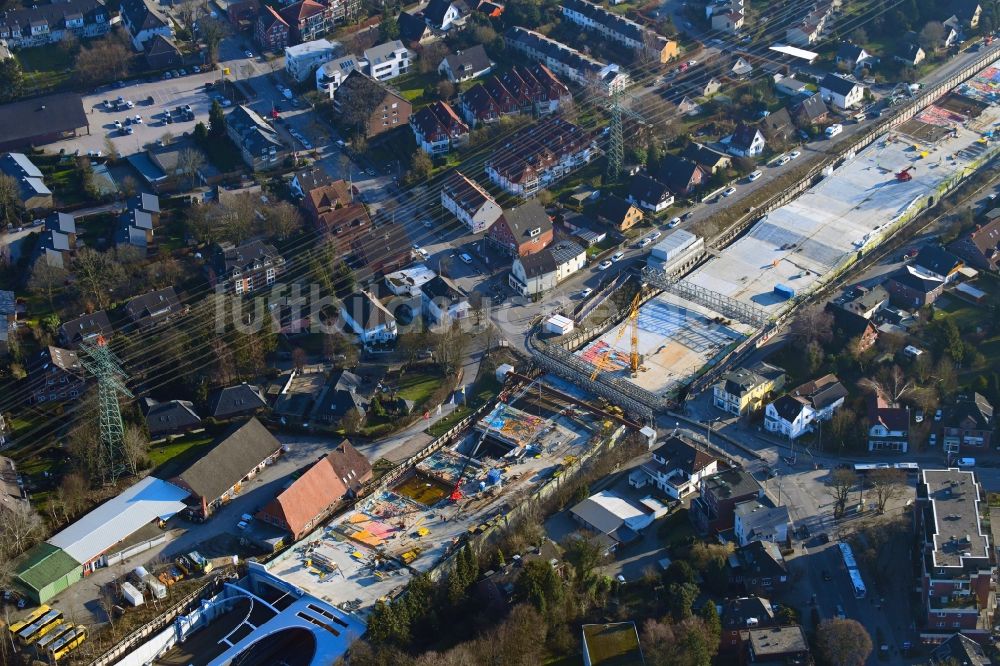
(43, 565)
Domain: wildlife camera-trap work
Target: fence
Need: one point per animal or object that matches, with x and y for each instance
(115, 558)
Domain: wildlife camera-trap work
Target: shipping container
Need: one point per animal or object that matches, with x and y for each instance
(132, 595)
(784, 291)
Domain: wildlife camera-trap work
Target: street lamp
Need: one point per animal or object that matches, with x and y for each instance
(708, 429)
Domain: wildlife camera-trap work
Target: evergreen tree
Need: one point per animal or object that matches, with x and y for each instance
(217, 120)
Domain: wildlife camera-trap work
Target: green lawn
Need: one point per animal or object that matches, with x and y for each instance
(418, 386)
(485, 389)
(45, 68)
(411, 86)
(169, 458)
(676, 529)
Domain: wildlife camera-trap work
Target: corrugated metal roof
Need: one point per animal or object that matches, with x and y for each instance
(118, 518)
(674, 242)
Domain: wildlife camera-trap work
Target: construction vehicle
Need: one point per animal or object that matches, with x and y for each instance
(904, 175)
(631, 322)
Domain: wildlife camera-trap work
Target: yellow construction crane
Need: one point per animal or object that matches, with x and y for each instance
(631, 321)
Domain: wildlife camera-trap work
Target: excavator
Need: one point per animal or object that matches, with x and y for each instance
(904, 175)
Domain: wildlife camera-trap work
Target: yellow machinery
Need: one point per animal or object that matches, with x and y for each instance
(631, 321)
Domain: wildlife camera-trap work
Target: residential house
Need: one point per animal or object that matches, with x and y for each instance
(787, 85)
(740, 69)
(960, 649)
(301, 60)
(731, 21)
(710, 160)
(967, 426)
(745, 391)
(443, 302)
(650, 194)
(331, 74)
(311, 178)
(444, 15)
(53, 247)
(380, 115)
(85, 329)
(173, 417)
(740, 615)
(889, 425)
(218, 476)
(539, 155)
(345, 11)
(968, 12)
(36, 24)
(619, 213)
(809, 30)
(307, 20)
(318, 492)
(536, 273)
(910, 53)
(64, 224)
(32, 191)
(938, 262)
(854, 327)
(242, 15)
(271, 30)
(522, 230)
(413, 30)
(567, 61)
(153, 308)
(136, 228)
(864, 301)
(161, 52)
(523, 89)
(606, 513)
(912, 287)
(842, 92)
(438, 129)
(245, 268)
(810, 111)
(778, 645)
(677, 468)
(778, 126)
(343, 392)
(747, 141)
(142, 21)
(853, 56)
(259, 143)
(466, 65)
(408, 281)
(980, 248)
(794, 413)
(8, 322)
(759, 568)
(239, 400)
(469, 202)
(387, 61)
(956, 573)
(55, 375)
(341, 221)
(755, 521)
(368, 318)
(620, 29)
(712, 511)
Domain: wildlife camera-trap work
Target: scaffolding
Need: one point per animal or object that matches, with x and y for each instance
(748, 314)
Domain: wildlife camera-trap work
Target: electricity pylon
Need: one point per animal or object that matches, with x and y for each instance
(101, 362)
(616, 134)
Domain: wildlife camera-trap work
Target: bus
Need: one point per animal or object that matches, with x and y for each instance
(40, 627)
(68, 642)
(32, 618)
(908, 467)
(52, 636)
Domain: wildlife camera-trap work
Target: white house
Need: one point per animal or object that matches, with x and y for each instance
(841, 92)
(142, 22)
(466, 65)
(889, 426)
(331, 74)
(676, 469)
(368, 318)
(470, 203)
(747, 141)
(443, 301)
(794, 413)
(536, 273)
(302, 59)
(27, 25)
(757, 522)
(409, 280)
(443, 14)
(648, 193)
(387, 61)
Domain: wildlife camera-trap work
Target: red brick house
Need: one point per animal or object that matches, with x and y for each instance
(242, 15)
(967, 425)
(307, 20)
(740, 615)
(980, 248)
(712, 510)
(271, 32)
(523, 230)
(852, 326)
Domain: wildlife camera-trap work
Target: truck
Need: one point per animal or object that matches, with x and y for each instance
(132, 595)
(200, 563)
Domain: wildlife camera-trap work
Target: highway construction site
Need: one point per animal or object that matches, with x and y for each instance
(411, 524)
(796, 248)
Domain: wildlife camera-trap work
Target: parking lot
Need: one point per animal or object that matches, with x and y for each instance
(165, 96)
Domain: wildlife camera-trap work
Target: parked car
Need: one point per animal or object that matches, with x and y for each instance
(617, 256)
(687, 215)
(655, 235)
(754, 176)
(937, 415)
(729, 191)
(465, 257)
(137, 120)
(919, 417)
(644, 242)
(795, 154)
(784, 159)
(423, 253)
(673, 223)
(604, 265)
(248, 53)
(586, 292)
(118, 124)
(834, 130)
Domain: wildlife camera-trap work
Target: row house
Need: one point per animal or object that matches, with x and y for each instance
(566, 61)
(537, 156)
(243, 269)
(52, 22)
(620, 29)
(677, 468)
(745, 390)
(438, 129)
(809, 30)
(967, 426)
(469, 202)
(530, 89)
(794, 413)
(980, 248)
(956, 583)
(55, 375)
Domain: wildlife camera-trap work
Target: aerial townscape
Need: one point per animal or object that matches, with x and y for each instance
(499, 332)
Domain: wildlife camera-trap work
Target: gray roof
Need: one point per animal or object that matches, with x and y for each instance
(525, 218)
(155, 306)
(443, 288)
(961, 651)
(29, 179)
(61, 222)
(813, 107)
(254, 132)
(565, 250)
(344, 391)
(469, 61)
(235, 400)
(789, 407)
(744, 612)
(242, 449)
(953, 516)
(838, 84)
(732, 482)
(366, 310)
(145, 201)
(86, 327)
(53, 14)
(8, 303)
(777, 641)
(119, 518)
(168, 417)
(537, 264)
(26, 120)
(141, 16)
(380, 53)
(757, 518)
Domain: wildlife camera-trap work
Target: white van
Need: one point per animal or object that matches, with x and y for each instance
(834, 130)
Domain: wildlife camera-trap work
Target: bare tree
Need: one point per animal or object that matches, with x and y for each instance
(888, 484)
(892, 383)
(20, 527)
(212, 32)
(189, 161)
(105, 59)
(812, 323)
(10, 198)
(98, 274)
(47, 281)
(188, 12)
(843, 642)
(135, 445)
(239, 217)
(840, 485)
(449, 348)
(71, 495)
(351, 422)
(282, 219)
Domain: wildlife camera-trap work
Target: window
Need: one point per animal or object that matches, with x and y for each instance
(239, 286)
(73, 394)
(395, 104)
(956, 624)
